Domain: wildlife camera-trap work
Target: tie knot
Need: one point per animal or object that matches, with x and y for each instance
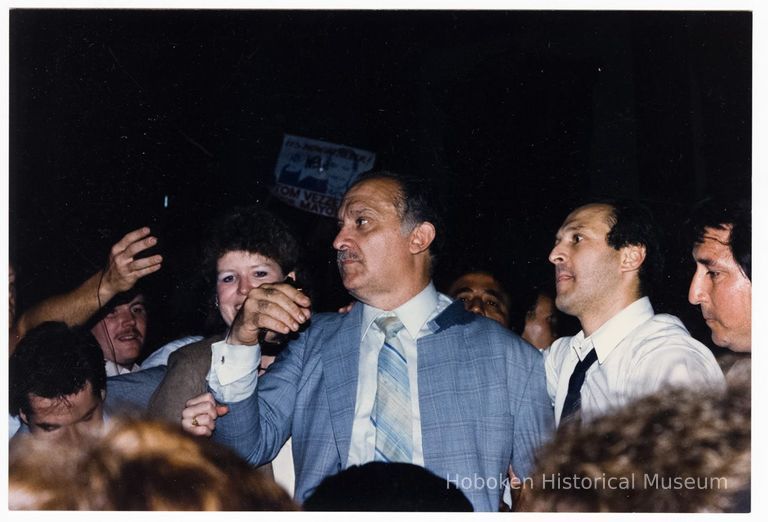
(389, 324)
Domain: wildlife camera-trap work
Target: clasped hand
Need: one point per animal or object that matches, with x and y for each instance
(273, 309)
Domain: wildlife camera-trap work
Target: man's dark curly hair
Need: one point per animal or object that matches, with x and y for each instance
(53, 360)
(720, 213)
(251, 229)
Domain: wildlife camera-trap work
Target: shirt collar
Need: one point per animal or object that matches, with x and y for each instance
(615, 329)
(113, 369)
(578, 345)
(413, 313)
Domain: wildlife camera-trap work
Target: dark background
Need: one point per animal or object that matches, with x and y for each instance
(514, 115)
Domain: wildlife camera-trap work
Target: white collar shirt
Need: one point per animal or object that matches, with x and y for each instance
(638, 353)
(113, 369)
(416, 315)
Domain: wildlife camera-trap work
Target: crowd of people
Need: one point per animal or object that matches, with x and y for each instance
(480, 398)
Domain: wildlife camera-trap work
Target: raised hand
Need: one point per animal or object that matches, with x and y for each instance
(124, 269)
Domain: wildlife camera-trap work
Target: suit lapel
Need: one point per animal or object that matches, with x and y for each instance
(440, 356)
(341, 357)
(454, 314)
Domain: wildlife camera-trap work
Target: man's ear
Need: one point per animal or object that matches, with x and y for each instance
(421, 237)
(103, 395)
(292, 275)
(632, 257)
(23, 417)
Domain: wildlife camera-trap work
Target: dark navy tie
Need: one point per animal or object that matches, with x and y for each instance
(572, 404)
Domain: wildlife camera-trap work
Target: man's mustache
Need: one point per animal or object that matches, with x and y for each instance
(129, 331)
(346, 255)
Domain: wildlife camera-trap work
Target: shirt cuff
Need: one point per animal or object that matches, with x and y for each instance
(234, 371)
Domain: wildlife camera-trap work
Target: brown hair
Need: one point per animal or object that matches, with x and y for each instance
(665, 439)
(139, 465)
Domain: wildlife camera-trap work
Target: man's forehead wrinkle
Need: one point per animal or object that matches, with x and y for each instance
(716, 240)
(49, 401)
(356, 207)
(351, 208)
(359, 205)
(51, 405)
(704, 260)
(710, 262)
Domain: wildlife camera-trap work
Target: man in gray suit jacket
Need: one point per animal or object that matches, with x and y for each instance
(446, 389)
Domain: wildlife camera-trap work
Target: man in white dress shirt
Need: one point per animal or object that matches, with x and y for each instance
(606, 255)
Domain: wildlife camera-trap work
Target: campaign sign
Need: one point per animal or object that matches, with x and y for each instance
(313, 175)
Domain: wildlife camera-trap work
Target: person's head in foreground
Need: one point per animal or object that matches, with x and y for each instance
(57, 382)
(386, 486)
(679, 450)
(139, 466)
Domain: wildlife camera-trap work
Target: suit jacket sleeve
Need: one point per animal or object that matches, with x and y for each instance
(534, 417)
(257, 427)
(131, 392)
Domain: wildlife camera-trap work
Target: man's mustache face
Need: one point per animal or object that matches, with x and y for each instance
(128, 334)
(343, 256)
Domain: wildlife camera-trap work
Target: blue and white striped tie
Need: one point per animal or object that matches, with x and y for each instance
(392, 408)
